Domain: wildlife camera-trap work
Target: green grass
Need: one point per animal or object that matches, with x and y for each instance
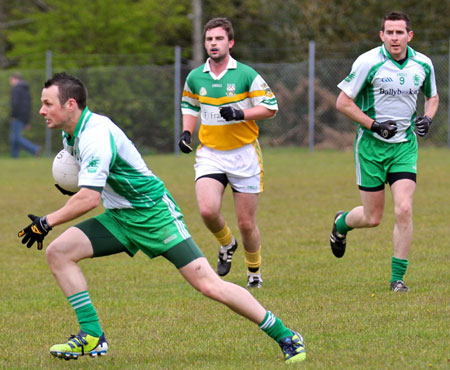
(154, 320)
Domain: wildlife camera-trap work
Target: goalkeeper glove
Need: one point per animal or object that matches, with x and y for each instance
(35, 232)
(185, 140)
(423, 124)
(231, 114)
(385, 129)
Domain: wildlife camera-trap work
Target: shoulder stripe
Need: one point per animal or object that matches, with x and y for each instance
(190, 95)
(86, 119)
(223, 100)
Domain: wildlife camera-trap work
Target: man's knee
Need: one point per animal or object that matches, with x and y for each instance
(208, 289)
(403, 211)
(54, 251)
(374, 221)
(208, 213)
(205, 281)
(246, 225)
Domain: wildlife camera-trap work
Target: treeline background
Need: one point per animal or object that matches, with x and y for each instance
(124, 52)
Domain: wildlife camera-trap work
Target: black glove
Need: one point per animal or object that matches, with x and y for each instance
(35, 232)
(385, 129)
(185, 140)
(64, 191)
(231, 114)
(423, 124)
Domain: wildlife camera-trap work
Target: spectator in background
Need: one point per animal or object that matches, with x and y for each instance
(20, 116)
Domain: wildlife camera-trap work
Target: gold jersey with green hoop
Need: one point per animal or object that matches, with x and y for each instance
(238, 86)
(140, 213)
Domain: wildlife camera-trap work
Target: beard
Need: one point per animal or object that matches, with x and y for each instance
(218, 58)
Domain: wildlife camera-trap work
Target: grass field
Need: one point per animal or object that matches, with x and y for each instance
(154, 320)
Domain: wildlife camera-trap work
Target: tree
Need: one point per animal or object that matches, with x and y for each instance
(266, 30)
(89, 29)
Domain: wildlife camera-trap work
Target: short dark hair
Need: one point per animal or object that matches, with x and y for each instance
(220, 22)
(17, 75)
(69, 87)
(397, 16)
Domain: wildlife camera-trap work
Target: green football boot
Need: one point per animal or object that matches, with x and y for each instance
(80, 345)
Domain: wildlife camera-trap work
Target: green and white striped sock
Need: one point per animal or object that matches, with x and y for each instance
(274, 327)
(86, 314)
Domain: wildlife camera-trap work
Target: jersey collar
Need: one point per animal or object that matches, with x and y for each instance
(410, 52)
(81, 125)
(232, 64)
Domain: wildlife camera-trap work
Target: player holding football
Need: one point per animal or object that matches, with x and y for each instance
(380, 94)
(228, 96)
(140, 215)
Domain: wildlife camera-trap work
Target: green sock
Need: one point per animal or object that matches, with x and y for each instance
(341, 226)
(85, 311)
(274, 327)
(398, 268)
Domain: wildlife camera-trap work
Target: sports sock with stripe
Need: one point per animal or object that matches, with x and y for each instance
(253, 260)
(274, 327)
(86, 314)
(224, 236)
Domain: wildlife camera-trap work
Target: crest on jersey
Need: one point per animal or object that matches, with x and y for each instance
(202, 91)
(267, 90)
(416, 80)
(93, 165)
(231, 90)
(350, 77)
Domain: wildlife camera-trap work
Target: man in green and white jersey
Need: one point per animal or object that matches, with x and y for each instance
(380, 95)
(140, 215)
(228, 97)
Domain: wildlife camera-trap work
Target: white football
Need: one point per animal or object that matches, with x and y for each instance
(65, 171)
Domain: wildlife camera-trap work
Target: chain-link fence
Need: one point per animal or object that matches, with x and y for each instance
(332, 129)
(140, 99)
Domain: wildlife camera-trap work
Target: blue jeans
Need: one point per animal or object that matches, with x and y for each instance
(17, 141)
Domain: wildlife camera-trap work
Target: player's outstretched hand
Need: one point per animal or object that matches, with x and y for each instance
(385, 129)
(185, 140)
(64, 191)
(231, 114)
(423, 124)
(35, 232)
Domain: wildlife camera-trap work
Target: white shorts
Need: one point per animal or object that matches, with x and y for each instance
(242, 166)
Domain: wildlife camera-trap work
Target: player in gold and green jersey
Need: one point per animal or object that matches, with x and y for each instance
(228, 97)
(140, 215)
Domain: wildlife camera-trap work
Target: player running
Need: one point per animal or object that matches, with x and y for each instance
(228, 96)
(380, 94)
(140, 215)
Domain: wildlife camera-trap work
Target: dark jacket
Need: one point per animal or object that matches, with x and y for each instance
(21, 102)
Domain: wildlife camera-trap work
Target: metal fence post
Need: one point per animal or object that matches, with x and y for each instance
(312, 49)
(48, 132)
(177, 97)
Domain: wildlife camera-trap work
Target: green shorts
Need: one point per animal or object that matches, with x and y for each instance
(156, 231)
(376, 159)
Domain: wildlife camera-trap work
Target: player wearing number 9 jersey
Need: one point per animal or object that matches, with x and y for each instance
(380, 95)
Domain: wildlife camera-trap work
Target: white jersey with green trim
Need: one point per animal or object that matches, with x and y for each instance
(109, 161)
(386, 90)
(238, 86)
